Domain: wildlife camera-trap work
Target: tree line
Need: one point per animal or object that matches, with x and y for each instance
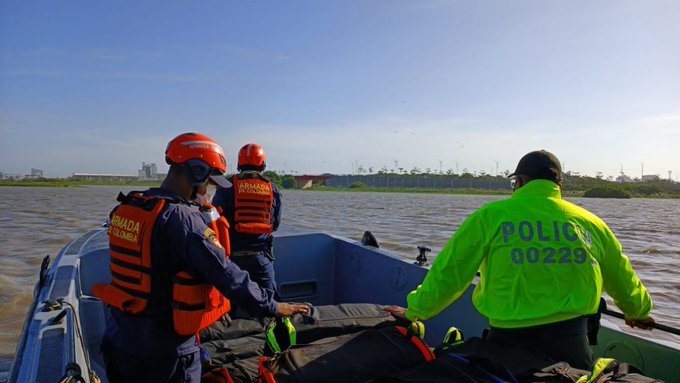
(573, 183)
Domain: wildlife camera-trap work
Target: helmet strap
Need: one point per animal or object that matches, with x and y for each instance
(194, 192)
(191, 176)
(251, 168)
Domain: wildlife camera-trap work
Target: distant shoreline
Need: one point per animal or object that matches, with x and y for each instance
(408, 190)
(566, 192)
(74, 183)
(426, 191)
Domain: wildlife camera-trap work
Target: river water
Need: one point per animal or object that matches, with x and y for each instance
(35, 222)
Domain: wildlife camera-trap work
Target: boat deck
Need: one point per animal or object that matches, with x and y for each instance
(66, 323)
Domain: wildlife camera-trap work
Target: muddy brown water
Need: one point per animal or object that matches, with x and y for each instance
(36, 221)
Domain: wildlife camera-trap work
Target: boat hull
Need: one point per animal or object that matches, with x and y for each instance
(63, 329)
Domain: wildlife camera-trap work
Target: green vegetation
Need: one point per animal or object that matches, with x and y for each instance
(573, 185)
(594, 187)
(411, 190)
(288, 182)
(68, 182)
(274, 177)
(606, 192)
(40, 183)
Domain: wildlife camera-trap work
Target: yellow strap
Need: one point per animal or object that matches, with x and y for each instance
(271, 337)
(453, 336)
(418, 328)
(598, 369)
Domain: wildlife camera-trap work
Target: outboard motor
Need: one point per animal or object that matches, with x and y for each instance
(369, 240)
(421, 259)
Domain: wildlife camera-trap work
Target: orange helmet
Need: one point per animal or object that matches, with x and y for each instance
(200, 155)
(251, 155)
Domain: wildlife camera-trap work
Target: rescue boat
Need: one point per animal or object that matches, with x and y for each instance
(62, 333)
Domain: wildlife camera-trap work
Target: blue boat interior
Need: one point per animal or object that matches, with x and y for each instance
(64, 327)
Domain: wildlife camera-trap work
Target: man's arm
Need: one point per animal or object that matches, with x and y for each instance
(235, 283)
(276, 206)
(205, 258)
(452, 272)
(621, 282)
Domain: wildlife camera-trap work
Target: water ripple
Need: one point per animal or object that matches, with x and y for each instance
(39, 221)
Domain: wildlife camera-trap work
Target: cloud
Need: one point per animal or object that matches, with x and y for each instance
(45, 51)
(665, 122)
(63, 152)
(607, 147)
(105, 55)
(250, 54)
(107, 154)
(460, 143)
(162, 77)
(33, 73)
(376, 143)
(473, 144)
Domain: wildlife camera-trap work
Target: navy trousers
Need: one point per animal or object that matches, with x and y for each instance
(261, 270)
(122, 367)
(562, 341)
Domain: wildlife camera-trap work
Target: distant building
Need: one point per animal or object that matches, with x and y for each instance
(35, 174)
(305, 182)
(147, 172)
(10, 176)
(103, 177)
(650, 177)
(624, 178)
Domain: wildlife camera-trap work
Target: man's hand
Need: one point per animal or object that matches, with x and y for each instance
(288, 309)
(397, 311)
(640, 323)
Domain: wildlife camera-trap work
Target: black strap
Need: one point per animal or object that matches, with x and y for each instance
(594, 322)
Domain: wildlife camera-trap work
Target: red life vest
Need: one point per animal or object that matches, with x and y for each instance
(194, 306)
(217, 223)
(253, 202)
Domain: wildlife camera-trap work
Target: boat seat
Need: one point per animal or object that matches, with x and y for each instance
(94, 269)
(93, 326)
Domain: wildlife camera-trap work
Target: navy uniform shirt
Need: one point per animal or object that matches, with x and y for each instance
(179, 243)
(224, 198)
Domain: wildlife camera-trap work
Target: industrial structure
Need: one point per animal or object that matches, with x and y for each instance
(148, 172)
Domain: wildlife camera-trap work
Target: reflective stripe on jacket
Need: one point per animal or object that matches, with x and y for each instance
(195, 306)
(253, 201)
(218, 224)
(541, 260)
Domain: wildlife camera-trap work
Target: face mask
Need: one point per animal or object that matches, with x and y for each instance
(206, 198)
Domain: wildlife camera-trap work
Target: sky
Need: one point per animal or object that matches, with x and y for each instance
(328, 86)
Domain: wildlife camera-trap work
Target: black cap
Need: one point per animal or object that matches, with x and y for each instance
(220, 181)
(539, 164)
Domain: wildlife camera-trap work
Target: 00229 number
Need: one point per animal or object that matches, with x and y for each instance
(548, 255)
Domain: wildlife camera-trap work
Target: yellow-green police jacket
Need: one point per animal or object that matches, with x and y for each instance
(541, 260)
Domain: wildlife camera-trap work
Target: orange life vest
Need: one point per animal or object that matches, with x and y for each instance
(194, 306)
(217, 223)
(253, 201)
